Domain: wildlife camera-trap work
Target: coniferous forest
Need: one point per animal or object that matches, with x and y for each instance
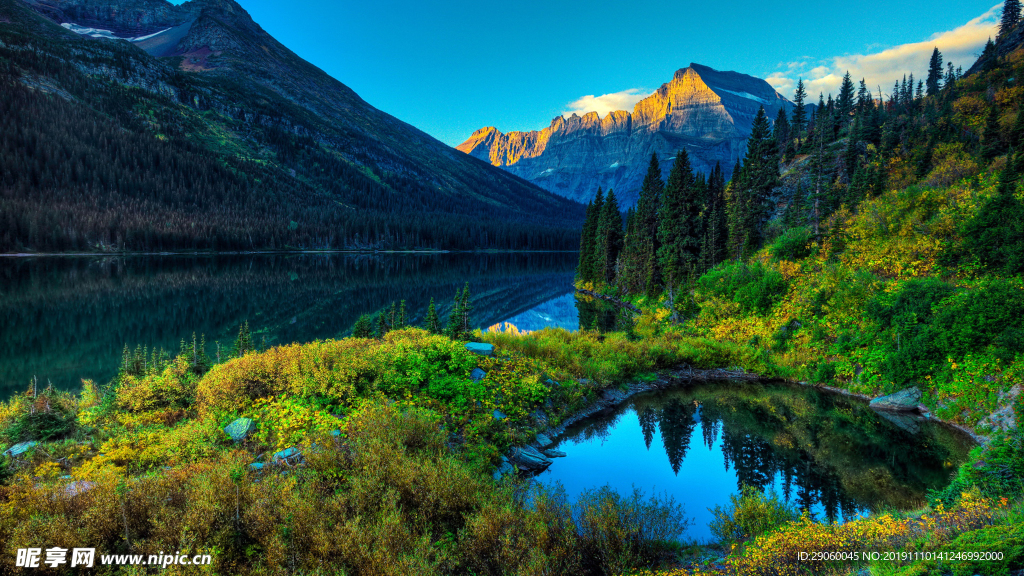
(104, 148)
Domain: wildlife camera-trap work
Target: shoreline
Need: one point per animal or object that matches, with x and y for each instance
(272, 252)
(676, 377)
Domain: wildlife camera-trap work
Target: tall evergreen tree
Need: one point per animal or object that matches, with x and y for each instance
(608, 239)
(846, 101)
(432, 323)
(781, 131)
(760, 176)
(678, 229)
(863, 97)
(715, 224)
(1010, 18)
(363, 328)
(799, 113)
(991, 144)
(642, 270)
(588, 238)
(796, 210)
(934, 72)
(243, 343)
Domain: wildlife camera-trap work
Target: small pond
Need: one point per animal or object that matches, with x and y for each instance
(823, 452)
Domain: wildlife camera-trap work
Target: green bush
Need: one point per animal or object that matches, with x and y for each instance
(988, 315)
(750, 514)
(794, 244)
(755, 287)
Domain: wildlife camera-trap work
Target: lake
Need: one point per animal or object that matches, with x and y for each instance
(63, 319)
(820, 451)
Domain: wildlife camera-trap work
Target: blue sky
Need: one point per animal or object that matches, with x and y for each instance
(451, 67)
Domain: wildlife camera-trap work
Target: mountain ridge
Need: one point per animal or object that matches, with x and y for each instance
(209, 76)
(706, 111)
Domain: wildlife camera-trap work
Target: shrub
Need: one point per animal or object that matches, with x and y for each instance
(752, 513)
(755, 287)
(793, 244)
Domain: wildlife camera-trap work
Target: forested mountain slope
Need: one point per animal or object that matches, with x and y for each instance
(209, 134)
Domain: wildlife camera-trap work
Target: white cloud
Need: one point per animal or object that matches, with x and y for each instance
(606, 103)
(961, 46)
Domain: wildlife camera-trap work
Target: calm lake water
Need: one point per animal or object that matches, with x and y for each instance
(822, 452)
(63, 319)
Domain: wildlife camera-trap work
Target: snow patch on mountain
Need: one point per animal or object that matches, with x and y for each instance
(101, 33)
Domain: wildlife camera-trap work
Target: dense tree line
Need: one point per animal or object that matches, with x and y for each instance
(88, 163)
(846, 149)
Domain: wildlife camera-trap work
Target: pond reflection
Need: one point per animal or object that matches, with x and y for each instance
(825, 453)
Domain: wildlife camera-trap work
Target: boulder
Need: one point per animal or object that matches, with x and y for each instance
(498, 415)
(902, 401)
(287, 456)
(75, 488)
(477, 374)
(552, 453)
(20, 448)
(529, 458)
(504, 468)
(240, 429)
(480, 348)
(543, 441)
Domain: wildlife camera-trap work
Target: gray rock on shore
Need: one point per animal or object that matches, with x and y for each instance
(902, 401)
(529, 458)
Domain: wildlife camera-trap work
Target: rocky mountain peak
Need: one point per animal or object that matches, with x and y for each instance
(706, 111)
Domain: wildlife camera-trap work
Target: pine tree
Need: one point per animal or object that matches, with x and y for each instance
(243, 343)
(760, 176)
(382, 325)
(1017, 132)
(363, 328)
(799, 113)
(989, 56)
(608, 240)
(995, 236)
(845, 103)
(934, 72)
(796, 210)
(454, 325)
(432, 322)
(863, 97)
(588, 237)
(715, 225)
(1010, 18)
(781, 131)
(400, 322)
(640, 253)
(991, 144)
(678, 226)
(466, 307)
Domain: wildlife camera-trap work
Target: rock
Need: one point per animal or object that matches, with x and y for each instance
(240, 429)
(336, 433)
(287, 456)
(20, 448)
(477, 374)
(551, 383)
(543, 441)
(256, 466)
(75, 488)
(552, 453)
(480, 348)
(903, 420)
(540, 418)
(504, 468)
(707, 112)
(498, 415)
(902, 401)
(529, 458)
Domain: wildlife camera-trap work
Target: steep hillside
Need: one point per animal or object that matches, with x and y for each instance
(205, 132)
(706, 112)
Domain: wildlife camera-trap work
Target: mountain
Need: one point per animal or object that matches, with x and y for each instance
(190, 127)
(707, 112)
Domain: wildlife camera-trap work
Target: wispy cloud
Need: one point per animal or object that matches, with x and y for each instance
(606, 103)
(961, 46)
